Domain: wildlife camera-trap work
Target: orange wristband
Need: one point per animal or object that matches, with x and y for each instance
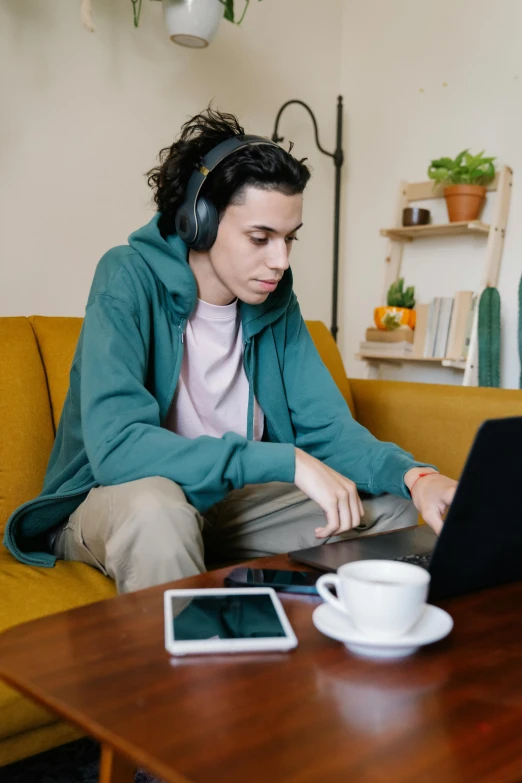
(421, 475)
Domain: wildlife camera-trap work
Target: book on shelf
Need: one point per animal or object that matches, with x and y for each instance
(443, 327)
(419, 336)
(391, 350)
(442, 331)
(469, 325)
(459, 320)
(402, 334)
(431, 329)
(447, 322)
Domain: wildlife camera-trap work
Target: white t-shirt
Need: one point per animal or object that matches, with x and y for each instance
(212, 393)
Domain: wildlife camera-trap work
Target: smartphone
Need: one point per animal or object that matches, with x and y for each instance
(283, 581)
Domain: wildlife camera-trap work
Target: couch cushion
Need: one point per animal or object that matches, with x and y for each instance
(327, 347)
(28, 593)
(25, 417)
(435, 422)
(56, 338)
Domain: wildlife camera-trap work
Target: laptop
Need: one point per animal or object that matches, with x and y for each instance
(480, 544)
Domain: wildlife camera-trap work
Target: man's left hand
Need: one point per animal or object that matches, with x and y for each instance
(431, 495)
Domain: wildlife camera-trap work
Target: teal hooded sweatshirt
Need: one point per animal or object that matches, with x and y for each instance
(122, 383)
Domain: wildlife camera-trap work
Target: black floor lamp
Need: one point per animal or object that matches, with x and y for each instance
(338, 159)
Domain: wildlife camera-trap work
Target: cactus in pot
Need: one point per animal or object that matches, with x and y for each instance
(399, 310)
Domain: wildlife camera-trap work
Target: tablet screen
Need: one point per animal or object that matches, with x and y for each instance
(225, 617)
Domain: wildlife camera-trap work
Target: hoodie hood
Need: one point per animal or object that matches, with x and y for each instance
(168, 260)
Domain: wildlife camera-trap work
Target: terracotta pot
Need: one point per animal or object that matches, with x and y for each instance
(464, 202)
(403, 316)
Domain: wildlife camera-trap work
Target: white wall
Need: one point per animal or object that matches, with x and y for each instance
(421, 79)
(84, 115)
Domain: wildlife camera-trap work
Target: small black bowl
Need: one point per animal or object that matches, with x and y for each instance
(415, 216)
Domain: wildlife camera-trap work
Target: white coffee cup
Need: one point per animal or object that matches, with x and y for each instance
(383, 598)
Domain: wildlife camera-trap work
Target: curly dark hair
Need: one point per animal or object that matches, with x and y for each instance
(265, 167)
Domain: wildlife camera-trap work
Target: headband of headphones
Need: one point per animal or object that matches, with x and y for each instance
(190, 214)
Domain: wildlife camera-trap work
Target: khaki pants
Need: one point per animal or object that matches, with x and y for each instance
(145, 533)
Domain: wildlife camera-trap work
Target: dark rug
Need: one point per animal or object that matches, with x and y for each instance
(77, 762)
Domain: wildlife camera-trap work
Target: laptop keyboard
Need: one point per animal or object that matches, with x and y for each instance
(420, 560)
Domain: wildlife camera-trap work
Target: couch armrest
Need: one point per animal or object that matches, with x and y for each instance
(436, 422)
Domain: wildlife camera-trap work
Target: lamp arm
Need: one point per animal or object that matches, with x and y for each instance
(338, 159)
(277, 138)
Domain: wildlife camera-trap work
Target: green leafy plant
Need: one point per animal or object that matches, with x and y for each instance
(136, 11)
(466, 169)
(228, 12)
(398, 297)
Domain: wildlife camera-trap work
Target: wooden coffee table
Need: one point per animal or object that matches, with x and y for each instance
(450, 714)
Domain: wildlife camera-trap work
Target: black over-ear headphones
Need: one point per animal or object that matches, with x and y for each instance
(197, 219)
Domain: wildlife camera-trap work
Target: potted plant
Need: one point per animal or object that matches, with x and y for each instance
(399, 310)
(189, 22)
(195, 22)
(465, 179)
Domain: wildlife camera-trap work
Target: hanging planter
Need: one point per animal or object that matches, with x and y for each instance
(192, 23)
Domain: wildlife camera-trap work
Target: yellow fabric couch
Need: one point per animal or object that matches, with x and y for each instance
(436, 423)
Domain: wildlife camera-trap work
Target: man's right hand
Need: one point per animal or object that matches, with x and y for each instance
(335, 494)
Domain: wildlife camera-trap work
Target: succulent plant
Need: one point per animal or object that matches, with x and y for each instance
(398, 297)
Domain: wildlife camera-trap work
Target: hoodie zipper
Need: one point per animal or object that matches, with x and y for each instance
(177, 368)
(251, 411)
(248, 364)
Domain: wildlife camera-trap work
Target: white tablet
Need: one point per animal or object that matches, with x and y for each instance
(217, 620)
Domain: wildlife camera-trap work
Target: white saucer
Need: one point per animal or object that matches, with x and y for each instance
(434, 624)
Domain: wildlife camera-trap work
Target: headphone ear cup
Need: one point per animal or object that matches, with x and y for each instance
(208, 223)
(184, 223)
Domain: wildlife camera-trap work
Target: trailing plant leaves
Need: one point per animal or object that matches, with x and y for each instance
(136, 11)
(439, 174)
(446, 163)
(460, 157)
(229, 11)
(466, 169)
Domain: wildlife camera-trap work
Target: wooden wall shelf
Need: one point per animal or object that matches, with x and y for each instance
(409, 233)
(456, 365)
(398, 236)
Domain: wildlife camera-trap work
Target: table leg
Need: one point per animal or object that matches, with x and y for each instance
(115, 768)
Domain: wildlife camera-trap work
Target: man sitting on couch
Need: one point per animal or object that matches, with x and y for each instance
(200, 422)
